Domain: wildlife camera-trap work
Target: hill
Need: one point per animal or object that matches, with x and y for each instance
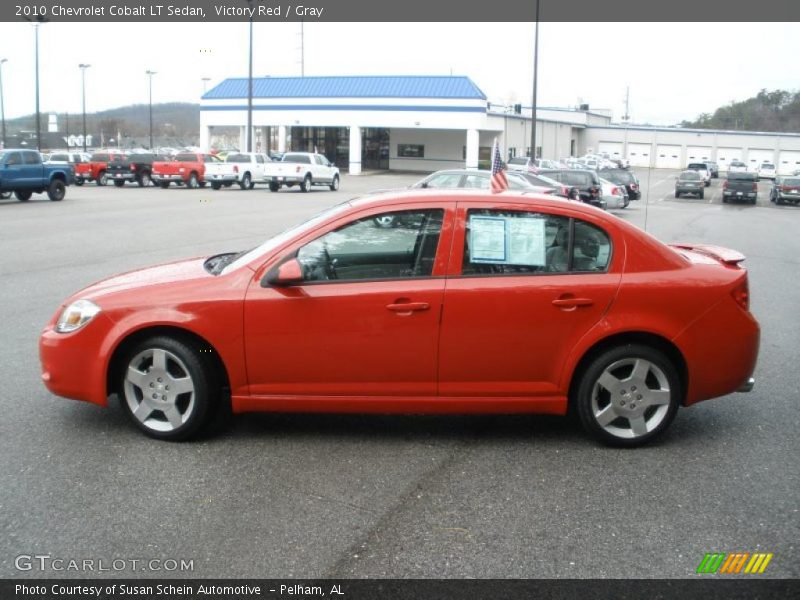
(777, 111)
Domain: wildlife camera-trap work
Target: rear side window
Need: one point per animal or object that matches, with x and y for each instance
(297, 158)
(519, 242)
(59, 158)
(237, 158)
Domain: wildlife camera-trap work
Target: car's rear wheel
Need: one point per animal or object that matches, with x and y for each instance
(23, 195)
(193, 182)
(702, 194)
(628, 395)
(119, 182)
(164, 184)
(56, 190)
(168, 389)
(215, 186)
(144, 179)
(79, 182)
(677, 194)
(274, 187)
(102, 179)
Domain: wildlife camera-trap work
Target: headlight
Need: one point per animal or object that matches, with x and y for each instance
(76, 315)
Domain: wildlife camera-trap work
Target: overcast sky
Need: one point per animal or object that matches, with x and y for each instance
(675, 70)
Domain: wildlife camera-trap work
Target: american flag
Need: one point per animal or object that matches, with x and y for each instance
(499, 180)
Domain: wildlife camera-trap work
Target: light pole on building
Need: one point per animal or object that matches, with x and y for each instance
(2, 105)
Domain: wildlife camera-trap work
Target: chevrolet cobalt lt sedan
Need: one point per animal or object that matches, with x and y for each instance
(477, 303)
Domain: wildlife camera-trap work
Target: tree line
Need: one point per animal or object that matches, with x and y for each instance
(778, 111)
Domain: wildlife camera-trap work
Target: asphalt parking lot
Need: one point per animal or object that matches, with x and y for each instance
(334, 496)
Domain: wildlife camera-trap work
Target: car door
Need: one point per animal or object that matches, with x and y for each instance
(13, 170)
(364, 321)
(523, 288)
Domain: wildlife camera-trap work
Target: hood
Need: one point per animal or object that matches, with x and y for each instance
(173, 272)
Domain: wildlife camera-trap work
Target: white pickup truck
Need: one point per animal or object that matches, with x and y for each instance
(243, 168)
(302, 168)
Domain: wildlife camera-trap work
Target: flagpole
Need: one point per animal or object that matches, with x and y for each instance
(535, 73)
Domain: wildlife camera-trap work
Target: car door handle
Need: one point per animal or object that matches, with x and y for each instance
(407, 307)
(572, 303)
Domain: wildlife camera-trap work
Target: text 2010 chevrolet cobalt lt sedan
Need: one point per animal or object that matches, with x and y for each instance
(476, 303)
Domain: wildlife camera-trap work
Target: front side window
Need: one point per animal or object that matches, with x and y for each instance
(517, 242)
(443, 180)
(391, 245)
(14, 158)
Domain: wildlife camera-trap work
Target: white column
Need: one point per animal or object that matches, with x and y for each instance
(205, 137)
(282, 138)
(355, 150)
(243, 139)
(472, 148)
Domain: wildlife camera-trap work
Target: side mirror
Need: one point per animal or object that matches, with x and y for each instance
(286, 273)
(424, 184)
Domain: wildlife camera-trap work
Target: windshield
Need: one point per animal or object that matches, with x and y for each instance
(742, 176)
(701, 166)
(618, 176)
(276, 241)
(793, 181)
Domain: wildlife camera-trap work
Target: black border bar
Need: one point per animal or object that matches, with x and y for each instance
(176, 11)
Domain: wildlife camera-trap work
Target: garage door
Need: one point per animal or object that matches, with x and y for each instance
(614, 149)
(639, 155)
(726, 155)
(755, 156)
(668, 157)
(698, 154)
(788, 162)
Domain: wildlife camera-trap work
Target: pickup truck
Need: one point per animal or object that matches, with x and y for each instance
(740, 186)
(134, 168)
(303, 168)
(243, 168)
(22, 172)
(78, 160)
(187, 168)
(97, 170)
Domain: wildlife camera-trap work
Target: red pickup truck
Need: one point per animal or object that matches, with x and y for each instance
(188, 168)
(98, 165)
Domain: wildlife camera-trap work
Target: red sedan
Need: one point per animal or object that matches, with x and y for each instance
(474, 303)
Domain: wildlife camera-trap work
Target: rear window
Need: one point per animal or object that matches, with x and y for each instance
(618, 176)
(100, 157)
(59, 158)
(690, 176)
(742, 176)
(703, 166)
(582, 179)
(297, 158)
(519, 160)
(767, 166)
(186, 157)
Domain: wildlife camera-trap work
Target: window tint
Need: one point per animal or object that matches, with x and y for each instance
(741, 176)
(100, 157)
(14, 158)
(388, 246)
(793, 181)
(767, 166)
(701, 166)
(690, 176)
(31, 158)
(519, 160)
(297, 158)
(510, 242)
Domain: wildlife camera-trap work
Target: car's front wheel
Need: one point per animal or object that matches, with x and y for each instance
(335, 183)
(168, 389)
(56, 190)
(628, 395)
(245, 183)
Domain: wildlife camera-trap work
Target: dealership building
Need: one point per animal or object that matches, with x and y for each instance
(428, 123)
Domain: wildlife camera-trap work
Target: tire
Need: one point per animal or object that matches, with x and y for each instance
(202, 184)
(145, 375)
(79, 182)
(102, 179)
(246, 182)
(753, 201)
(192, 182)
(274, 187)
(724, 199)
(23, 195)
(305, 186)
(119, 183)
(56, 190)
(144, 180)
(627, 395)
(335, 183)
(702, 194)
(778, 200)
(677, 194)
(215, 186)
(164, 185)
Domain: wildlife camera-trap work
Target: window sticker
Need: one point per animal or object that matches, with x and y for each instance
(507, 240)
(487, 239)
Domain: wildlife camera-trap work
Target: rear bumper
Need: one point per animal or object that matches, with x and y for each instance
(217, 178)
(160, 178)
(735, 194)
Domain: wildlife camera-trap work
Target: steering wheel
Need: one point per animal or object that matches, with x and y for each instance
(330, 269)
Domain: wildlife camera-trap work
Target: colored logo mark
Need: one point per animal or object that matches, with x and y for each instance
(735, 562)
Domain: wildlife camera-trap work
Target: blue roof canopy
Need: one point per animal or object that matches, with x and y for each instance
(442, 87)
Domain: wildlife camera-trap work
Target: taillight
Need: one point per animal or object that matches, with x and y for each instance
(565, 191)
(615, 191)
(235, 168)
(634, 187)
(594, 191)
(132, 167)
(755, 187)
(725, 185)
(741, 294)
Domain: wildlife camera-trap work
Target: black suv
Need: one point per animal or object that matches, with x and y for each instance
(624, 178)
(136, 167)
(587, 182)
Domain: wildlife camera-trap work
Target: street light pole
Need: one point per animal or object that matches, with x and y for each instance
(38, 119)
(535, 73)
(83, 68)
(250, 89)
(150, 74)
(2, 105)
